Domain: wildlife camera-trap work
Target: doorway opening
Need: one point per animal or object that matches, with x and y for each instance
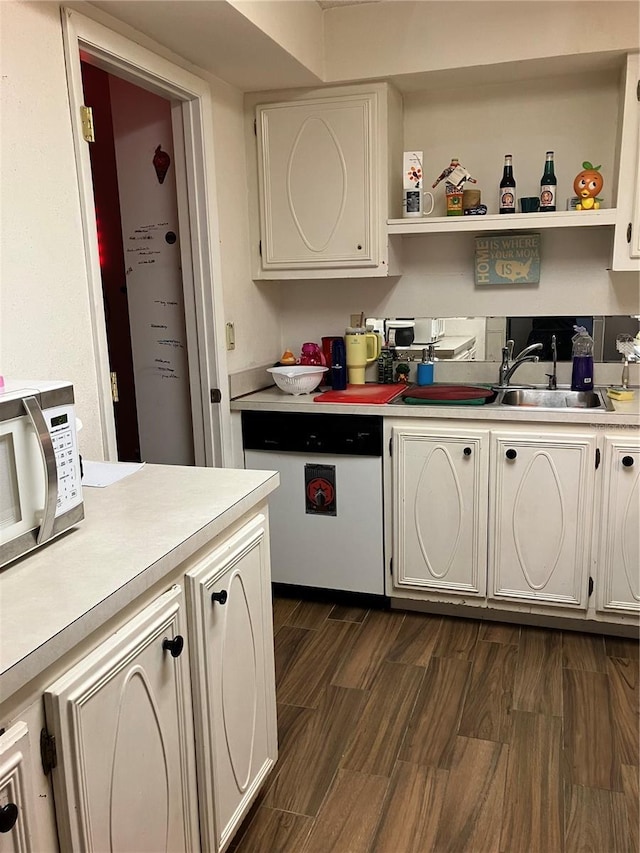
(134, 189)
(192, 165)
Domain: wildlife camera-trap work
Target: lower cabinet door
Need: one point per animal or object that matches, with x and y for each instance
(541, 513)
(122, 719)
(618, 580)
(440, 510)
(229, 599)
(17, 820)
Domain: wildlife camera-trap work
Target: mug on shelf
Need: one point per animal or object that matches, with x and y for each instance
(531, 204)
(413, 203)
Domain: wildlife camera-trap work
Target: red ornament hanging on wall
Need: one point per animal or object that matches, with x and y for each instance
(161, 163)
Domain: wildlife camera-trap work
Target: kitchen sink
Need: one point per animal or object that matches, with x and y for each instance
(560, 398)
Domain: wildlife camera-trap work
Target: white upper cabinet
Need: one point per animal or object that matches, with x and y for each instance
(541, 491)
(618, 581)
(322, 175)
(626, 247)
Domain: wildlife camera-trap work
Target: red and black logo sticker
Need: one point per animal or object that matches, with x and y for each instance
(320, 489)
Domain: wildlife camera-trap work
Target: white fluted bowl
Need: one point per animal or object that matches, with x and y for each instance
(298, 378)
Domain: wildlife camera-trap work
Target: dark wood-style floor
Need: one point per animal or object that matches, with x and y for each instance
(408, 733)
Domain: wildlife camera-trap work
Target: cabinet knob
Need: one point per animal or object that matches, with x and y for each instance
(220, 597)
(511, 453)
(174, 646)
(467, 451)
(8, 817)
(627, 461)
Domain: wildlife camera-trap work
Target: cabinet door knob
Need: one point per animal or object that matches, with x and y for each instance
(467, 451)
(174, 646)
(8, 817)
(627, 461)
(220, 597)
(511, 453)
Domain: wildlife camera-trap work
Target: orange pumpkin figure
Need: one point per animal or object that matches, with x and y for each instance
(587, 184)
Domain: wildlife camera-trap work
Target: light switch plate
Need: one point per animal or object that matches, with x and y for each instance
(231, 336)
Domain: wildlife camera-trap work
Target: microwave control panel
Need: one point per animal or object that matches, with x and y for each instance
(62, 428)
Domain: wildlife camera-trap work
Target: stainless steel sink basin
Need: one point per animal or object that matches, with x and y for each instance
(561, 398)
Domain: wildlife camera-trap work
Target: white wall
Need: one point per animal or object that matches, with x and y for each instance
(44, 311)
(414, 36)
(45, 328)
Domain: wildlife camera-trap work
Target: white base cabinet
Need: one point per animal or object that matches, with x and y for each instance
(440, 509)
(125, 778)
(543, 522)
(541, 517)
(229, 597)
(17, 818)
(619, 552)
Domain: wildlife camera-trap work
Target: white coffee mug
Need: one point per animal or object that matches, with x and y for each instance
(413, 204)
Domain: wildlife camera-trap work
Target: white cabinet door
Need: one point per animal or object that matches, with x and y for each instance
(626, 245)
(229, 599)
(318, 183)
(440, 509)
(122, 719)
(618, 578)
(541, 509)
(17, 819)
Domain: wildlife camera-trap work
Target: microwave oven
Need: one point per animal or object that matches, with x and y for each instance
(40, 478)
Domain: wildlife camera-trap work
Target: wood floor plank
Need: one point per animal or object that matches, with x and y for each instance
(416, 639)
(375, 637)
(487, 706)
(583, 651)
(275, 831)
(314, 662)
(349, 816)
(307, 770)
(589, 741)
(282, 609)
(434, 723)
(384, 721)
(456, 638)
(472, 812)
(538, 682)
(499, 632)
(411, 811)
(622, 647)
(291, 721)
(288, 643)
(596, 820)
(631, 788)
(533, 820)
(625, 707)
(348, 614)
(310, 614)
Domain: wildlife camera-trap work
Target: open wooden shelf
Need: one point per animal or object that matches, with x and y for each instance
(505, 222)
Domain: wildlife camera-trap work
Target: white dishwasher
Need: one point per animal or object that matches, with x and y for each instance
(326, 522)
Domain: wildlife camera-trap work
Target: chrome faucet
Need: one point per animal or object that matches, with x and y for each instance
(506, 369)
(553, 379)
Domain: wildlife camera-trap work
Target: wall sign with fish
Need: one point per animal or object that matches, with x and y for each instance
(507, 259)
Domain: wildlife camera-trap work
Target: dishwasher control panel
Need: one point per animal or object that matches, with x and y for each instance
(297, 432)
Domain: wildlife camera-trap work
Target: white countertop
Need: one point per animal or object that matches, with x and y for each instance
(272, 399)
(134, 533)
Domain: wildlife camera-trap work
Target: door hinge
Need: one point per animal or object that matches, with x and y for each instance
(88, 130)
(590, 586)
(638, 91)
(391, 567)
(48, 752)
(216, 395)
(629, 231)
(260, 248)
(255, 127)
(597, 458)
(391, 446)
(114, 387)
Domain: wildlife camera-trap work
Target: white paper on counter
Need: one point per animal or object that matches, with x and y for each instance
(101, 474)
